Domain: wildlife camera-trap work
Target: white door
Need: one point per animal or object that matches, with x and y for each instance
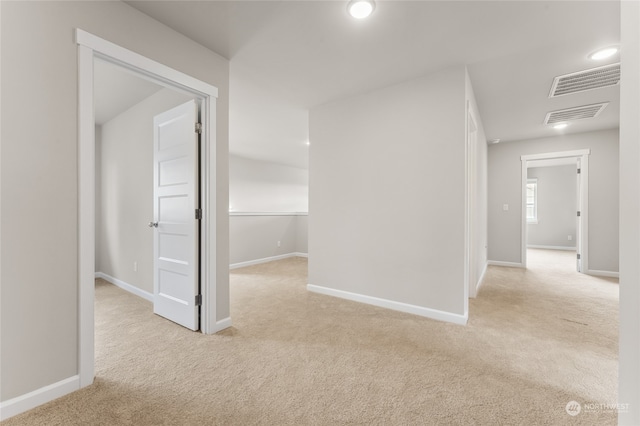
(579, 217)
(176, 209)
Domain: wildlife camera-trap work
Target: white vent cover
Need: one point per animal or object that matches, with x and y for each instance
(594, 78)
(577, 113)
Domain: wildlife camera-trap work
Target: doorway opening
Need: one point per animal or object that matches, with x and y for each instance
(147, 172)
(91, 47)
(555, 204)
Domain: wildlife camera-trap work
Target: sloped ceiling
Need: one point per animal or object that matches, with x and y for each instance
(289, 56)
(117, 90)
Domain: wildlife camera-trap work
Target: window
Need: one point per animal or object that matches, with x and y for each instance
(532, 200)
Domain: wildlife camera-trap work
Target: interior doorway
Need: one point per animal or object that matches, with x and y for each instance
(552, 203)
(91, 47)
(566, 205)
(147, 172)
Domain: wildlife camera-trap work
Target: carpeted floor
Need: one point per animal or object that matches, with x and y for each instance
(536, 340)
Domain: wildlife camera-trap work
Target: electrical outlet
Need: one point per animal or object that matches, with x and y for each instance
(570, 237)
(135, 266)
(278, 243)
(505, 207)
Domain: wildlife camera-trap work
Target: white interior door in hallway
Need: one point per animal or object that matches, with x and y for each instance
(177, 214)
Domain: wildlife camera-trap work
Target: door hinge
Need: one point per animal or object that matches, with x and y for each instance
(578, 214)
(198, 214)
(199, 128)
(198, 300)
(578, 171)
(578, 256)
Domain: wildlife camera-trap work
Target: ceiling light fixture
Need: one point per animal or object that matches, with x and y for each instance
(603, 53)
(560, 126)
(495, 141)
(360, 9)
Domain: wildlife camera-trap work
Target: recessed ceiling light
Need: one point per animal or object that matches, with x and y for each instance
(604, 53)
(495, 141)
(360, 9)
(308, 143)
(560, 126)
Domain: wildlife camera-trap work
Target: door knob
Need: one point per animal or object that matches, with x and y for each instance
(153, 224)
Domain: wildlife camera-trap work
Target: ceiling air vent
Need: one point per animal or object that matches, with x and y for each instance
(577, 113)
(608, 75)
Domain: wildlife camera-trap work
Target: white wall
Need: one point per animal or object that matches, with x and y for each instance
(126, 191)
(270, 192)
(505, 188)
(39, 307)
(629, 358)
(387, 193)
(256, 236)
(557, 206)
(260, 186)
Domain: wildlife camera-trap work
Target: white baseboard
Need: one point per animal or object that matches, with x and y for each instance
(266, 260)
(608, 274)
(222, 324)
(567, 248)
(507, 264)
(26, 402)
(126, 286)
(268, 214)
(390, 304)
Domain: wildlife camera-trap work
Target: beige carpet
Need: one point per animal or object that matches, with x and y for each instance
(536, 340)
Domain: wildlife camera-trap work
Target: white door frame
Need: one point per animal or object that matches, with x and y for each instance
(90, 47)
(471, 207)
(583, 155)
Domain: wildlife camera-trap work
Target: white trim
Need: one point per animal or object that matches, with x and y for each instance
(583, 243)
(86, 216)
(609, 274)
(28, 401)
(221, 325)
(535, 246)
(268, 214)
(469, 168)
(147, 67)
(582, 246)
(266, 260)
(209, 222)
(390, 304)
(523, 213)
(126, 286)
(90, 47)
(505, 264)
(561, 154)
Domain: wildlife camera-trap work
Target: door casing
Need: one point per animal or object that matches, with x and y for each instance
(583, 246)
(90, 47)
